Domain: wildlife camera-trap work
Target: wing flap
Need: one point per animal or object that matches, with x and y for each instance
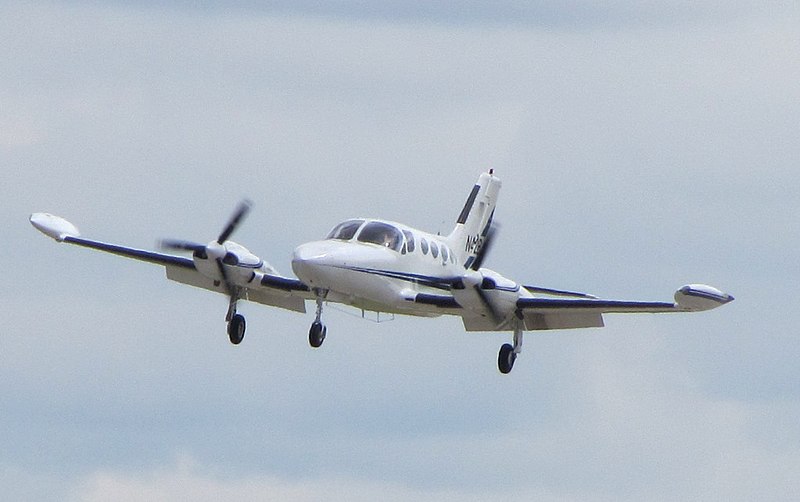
(535, 321)
(258, 295)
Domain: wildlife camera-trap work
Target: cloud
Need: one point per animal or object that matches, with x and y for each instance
(631, 434)
(573, 14)
(186, 480)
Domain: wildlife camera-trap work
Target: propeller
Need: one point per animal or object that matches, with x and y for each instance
(489, 234)
(486, 246)
(215, 249)
(481, 290)
(238, 216)
(179, 245)
(480, 285)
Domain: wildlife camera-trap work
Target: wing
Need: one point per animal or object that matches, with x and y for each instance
(579, 310)
(267, 289)
(546, 309)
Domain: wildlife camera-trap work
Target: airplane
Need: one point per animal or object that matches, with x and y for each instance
(387, 267)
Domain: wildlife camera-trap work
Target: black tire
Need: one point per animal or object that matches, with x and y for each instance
(236, 328)
(506, 358)
(316, 335)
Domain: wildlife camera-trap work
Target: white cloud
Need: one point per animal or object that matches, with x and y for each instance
(186, 481)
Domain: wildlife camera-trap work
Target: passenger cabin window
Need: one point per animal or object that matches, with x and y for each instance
(345, 230)
(409, 240)
(382, 235)
(434, 250)
(423, 244)
(444, 254)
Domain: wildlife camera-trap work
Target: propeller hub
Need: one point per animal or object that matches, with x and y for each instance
(215, 251)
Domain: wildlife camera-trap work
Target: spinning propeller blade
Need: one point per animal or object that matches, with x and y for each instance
(496, 317)
(241, 212)
(228, 286)
(179, 245)
(485, 247)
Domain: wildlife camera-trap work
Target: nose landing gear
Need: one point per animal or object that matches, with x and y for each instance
(318, 331)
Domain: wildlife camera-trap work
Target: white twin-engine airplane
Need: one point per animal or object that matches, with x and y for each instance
(382, 266)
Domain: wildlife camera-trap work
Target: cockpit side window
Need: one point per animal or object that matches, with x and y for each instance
(381, 234)
(345, 230)
(409, 241)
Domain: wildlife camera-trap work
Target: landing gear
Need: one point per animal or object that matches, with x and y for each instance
(506, 358)
(236, 327)
(316, 335)
(508, 353)
(236, 323)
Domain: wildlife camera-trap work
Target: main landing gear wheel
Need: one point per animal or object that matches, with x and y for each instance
(236, 328)
(506, 358)
(316, 335)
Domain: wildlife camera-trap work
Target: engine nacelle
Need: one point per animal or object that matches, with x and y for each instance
(487, 294)
(240, 264)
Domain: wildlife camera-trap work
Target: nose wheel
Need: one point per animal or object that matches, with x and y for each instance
(316, 335)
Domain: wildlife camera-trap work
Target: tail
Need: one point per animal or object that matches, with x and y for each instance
(472, 226)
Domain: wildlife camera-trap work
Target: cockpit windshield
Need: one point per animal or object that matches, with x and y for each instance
(345, 230)
(381, 234)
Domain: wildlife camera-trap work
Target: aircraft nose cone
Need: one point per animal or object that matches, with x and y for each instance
(308, 252)
(310, 260)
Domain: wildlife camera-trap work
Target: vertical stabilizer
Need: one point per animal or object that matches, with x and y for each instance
(472, 226)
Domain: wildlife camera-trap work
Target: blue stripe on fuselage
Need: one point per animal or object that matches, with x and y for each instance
(425, 280)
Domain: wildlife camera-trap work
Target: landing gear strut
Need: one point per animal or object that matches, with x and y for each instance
(318, 331)
(236, 323)
(508, 353)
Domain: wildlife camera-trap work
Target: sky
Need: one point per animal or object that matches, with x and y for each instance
(642, 146)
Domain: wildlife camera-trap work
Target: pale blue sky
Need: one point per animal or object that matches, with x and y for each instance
(641, 148)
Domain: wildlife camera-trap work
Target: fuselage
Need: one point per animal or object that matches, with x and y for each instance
(378, 265)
